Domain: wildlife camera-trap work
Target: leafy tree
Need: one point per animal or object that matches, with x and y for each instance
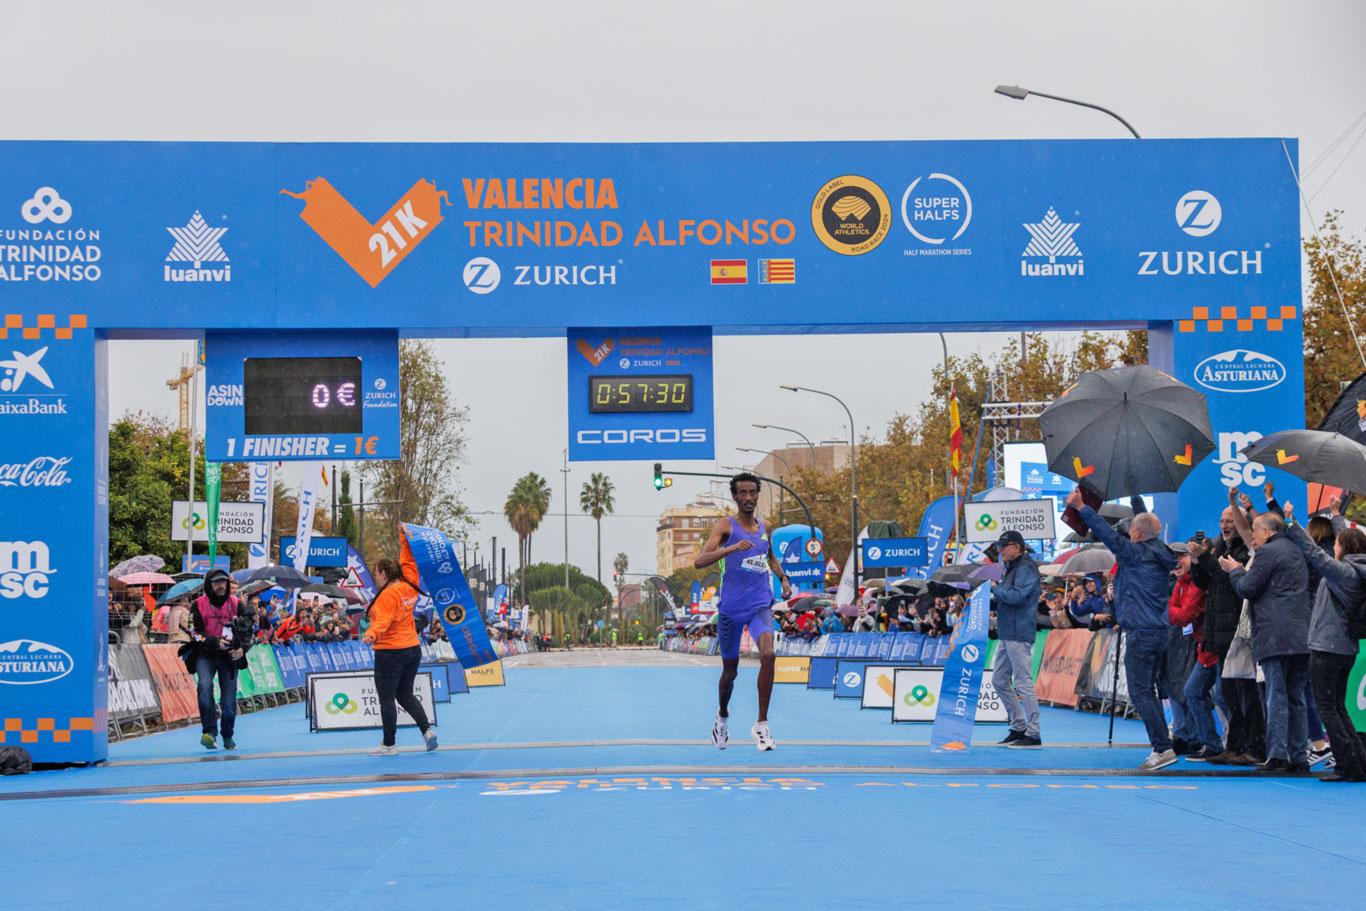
(346, 515)
(1330, 354)
(596, 500)
(421, 485)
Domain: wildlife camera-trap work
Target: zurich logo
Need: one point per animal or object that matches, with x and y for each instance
(481, 275)
(874, 553)
(852, 679)
(1239, 370)
(970, 653)
(1198, 213)
(25, 661)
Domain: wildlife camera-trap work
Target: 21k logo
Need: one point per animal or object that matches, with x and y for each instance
(372, 250)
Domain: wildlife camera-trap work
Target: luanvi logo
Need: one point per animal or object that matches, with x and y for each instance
(1051, 239)
(197, 243)
(373, 250)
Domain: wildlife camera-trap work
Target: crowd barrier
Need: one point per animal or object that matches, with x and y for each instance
(150, 683)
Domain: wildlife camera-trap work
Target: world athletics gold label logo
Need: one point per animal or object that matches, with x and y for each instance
(851, 215)
(455, 614)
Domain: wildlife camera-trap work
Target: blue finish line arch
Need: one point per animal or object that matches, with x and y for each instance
(1196, 241)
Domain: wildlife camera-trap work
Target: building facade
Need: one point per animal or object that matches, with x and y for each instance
(782, 463)
(682, 531)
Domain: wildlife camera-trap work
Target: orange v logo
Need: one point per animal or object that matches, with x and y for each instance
(372, 250)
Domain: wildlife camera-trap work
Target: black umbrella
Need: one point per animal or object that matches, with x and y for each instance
(1314, 455)
(1126, 431)
(283, 576)
(962, 576)
(334, 591)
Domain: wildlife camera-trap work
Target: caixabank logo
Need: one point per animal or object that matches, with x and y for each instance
(373, 250)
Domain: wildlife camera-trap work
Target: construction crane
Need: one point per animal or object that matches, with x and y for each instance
(182, 385)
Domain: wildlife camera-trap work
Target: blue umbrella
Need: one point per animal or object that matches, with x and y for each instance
(286, 576)
(180, 588)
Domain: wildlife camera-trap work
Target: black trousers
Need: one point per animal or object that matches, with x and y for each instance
(395, 671)
(1328, 675)
(1247, 720)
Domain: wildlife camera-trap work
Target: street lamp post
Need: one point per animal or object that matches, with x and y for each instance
(1019, 94)
(798, 433)
(853, 476)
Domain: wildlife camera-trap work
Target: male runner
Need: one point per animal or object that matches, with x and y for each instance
(741, 544)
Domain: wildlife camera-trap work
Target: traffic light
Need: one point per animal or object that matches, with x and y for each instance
(661, 482)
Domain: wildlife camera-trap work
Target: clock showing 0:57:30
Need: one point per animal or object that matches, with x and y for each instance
(640, 394)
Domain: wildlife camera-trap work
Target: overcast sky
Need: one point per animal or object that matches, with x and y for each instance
(704, 71)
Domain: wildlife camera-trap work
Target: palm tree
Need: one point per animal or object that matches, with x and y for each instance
(596, 500)
(619, 565)
(526, 505)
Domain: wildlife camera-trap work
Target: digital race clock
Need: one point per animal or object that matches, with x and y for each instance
(640, 394)
(301, 395)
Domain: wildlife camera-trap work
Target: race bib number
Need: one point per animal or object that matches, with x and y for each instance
(756, 564)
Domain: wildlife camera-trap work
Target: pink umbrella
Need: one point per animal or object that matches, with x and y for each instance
(147, 579)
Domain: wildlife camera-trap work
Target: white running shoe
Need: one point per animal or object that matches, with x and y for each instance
(720, 733)
(762, 738)
(430, 738)
(1157, 761)
(383, 750)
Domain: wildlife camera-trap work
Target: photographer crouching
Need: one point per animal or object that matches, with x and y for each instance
(221, 632)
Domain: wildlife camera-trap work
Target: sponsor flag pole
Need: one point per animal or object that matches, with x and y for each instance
(432, 555)
(955, 456)
(213, 485)
(962, 681)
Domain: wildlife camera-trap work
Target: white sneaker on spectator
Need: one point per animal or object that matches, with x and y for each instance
(383, 750)
(429, 737)
(763, 740)
(1158, 760)
(720, 732)
(1317, 756)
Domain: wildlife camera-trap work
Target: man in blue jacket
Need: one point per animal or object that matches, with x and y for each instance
(1016, 601)
(1141, 611)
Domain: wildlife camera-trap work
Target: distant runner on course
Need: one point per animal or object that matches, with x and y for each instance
(740, 543)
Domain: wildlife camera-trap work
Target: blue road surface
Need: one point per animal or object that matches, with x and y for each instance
(596, 788)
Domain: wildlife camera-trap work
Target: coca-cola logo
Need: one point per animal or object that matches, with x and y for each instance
(43, 471)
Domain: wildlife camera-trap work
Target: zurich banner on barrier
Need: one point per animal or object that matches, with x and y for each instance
(439, 574)
(963, 676)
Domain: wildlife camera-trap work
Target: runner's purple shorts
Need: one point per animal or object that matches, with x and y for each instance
(729, 626)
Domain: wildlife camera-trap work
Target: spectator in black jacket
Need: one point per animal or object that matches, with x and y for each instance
(1244, 741)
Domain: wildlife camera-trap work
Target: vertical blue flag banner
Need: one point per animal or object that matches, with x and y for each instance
(438, 570)
(358, 574)
(962, 676)
(935, 526)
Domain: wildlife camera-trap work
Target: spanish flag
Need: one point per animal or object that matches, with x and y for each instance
(955, 432)
(729, 271)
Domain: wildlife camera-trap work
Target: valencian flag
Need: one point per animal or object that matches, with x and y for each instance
(431, 555)
(777, 271)
(729, 271)
(955, 431)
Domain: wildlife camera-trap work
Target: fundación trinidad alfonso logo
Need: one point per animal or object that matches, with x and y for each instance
(1051, 240)
(373, 250)
(851, 215)
(197, 244)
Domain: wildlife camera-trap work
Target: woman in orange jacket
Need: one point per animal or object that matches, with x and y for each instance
(397, 655)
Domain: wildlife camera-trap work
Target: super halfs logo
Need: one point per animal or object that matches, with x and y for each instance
(373, 250)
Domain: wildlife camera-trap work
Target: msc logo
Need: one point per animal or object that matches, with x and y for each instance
(1198, 213)
(27, 661)
(224, 394)
(482, 275)
(1234, 468)
(1239, 370)
(851, 215)
(24, 569)
(372, 250)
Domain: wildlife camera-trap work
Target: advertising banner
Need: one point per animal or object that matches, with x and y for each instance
(1064, 653)
(878, 686)
(176, 688)
(238, 523)
(131, 691)
(640, 393)
(441, 680)
(485, 675)
(900, 552)
(957, 708)
(213, 488)
(262, 490)
(439, 574)
(347, 701)
(1034, 519)
(936, 527)
(265, 671)
(916, 697)
(849, 678)
(822, 675)
(321, 551)
(1096, 675)
(791, 669)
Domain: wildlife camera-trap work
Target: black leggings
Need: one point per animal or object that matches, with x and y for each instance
(395, 671)
(1328, 675)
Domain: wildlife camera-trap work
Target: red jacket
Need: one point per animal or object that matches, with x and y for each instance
(1187, 605)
